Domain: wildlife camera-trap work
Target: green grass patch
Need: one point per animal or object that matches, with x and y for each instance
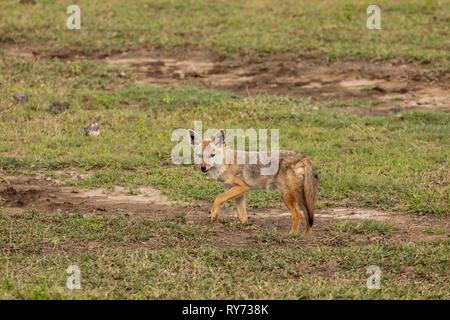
(115, 263)
(36, 233)
(394, 163)
(435, 230)
(410, 28)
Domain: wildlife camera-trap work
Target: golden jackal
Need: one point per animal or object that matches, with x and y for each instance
(295, 178)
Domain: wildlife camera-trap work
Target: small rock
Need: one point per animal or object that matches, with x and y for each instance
(397, 109)
(379, 89)
(92, 130)
(123, 75)
(21, 97)
(179, 74)
(59, 107)
(315, 108)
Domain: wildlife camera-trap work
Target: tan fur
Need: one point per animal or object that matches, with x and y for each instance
(296, 180)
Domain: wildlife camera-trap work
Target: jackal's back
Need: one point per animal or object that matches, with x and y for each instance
(290, 173)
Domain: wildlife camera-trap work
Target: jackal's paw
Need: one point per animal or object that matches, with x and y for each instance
(306, 234)
(214, 214)
(243, 220)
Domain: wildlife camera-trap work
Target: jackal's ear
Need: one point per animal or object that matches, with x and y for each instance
(219, 138)
(195, 137)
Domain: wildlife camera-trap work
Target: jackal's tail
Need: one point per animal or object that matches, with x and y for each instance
(311, 191)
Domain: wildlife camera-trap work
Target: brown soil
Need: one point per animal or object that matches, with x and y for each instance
(395, 86)
(20, 193)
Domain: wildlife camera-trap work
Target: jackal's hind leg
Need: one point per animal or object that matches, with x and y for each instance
(308, 228)
(290, 199)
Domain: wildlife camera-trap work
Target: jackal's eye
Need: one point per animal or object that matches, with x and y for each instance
(212, 155)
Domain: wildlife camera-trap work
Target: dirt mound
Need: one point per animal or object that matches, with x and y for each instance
(17, 198)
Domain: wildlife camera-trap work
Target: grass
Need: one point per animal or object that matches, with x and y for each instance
(411, 29)
(390, 162)
(363, 226)
(395, 163)
(357, 103)
(117, 262)
(37, 233)
(435, 230)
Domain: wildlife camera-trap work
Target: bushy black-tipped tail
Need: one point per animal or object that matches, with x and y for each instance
(311, 191)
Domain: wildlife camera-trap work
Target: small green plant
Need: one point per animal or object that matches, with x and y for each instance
(133, 191)
(435, 230)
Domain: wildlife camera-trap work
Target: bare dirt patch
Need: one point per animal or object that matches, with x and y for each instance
(20, 193)
(18, 50)
(386, 87)
(394, 86)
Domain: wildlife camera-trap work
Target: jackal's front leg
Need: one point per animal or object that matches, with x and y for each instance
(241, 209)
(234, 192)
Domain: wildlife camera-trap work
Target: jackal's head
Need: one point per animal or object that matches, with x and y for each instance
(208, 152)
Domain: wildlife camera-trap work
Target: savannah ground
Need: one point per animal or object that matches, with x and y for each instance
(369, 106)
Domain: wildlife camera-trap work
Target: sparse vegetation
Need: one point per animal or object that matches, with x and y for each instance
(118, 260)
(394, 162)
(388, 155)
